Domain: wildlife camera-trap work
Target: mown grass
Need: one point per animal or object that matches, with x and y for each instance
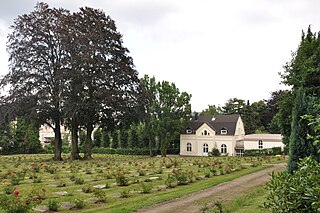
(252, 202)
(141, 201)
(131, 164)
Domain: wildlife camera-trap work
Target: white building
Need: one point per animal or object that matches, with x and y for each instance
(46, 134)
(224, 132)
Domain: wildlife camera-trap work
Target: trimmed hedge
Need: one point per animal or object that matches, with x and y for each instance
(260, 152)
(135, 151)
(96, 150)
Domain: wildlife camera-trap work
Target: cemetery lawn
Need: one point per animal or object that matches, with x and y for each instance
(118, 183)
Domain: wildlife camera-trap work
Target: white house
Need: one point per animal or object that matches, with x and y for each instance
(46, 134)
(265, 141)
(224, 132)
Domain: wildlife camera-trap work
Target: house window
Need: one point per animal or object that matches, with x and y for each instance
(205, 132)
(188, 131)
(205, 148)
(189, 147)
(224, 131)
(223, 149)
(239, 152)
(260, 144)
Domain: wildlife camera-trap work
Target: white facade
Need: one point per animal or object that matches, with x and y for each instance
(46, 134)
(204, 136)
(263, 141)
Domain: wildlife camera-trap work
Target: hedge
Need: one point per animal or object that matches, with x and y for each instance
(260, 152)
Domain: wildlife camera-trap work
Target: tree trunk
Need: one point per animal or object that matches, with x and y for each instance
(74, 140)
(88, 143)
(164, 146)
(150, 147)
(57, 142)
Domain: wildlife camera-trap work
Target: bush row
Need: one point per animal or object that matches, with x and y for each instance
(134, 151)
(260, 152)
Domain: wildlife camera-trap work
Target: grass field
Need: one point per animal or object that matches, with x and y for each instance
(114, 183)
(252, 202)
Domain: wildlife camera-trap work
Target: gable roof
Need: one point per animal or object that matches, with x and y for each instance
(217, 123)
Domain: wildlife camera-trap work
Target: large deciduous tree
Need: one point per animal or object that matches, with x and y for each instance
(71, 68)
(36, 55)
(166, 112)
(109, 87)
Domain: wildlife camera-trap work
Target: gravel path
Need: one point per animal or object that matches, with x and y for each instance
(222, 192)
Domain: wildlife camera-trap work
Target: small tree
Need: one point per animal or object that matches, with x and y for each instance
(215, 152)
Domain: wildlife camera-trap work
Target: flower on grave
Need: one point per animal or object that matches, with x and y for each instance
(16, 192)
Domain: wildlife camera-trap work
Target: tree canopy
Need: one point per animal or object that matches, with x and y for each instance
(70, 68)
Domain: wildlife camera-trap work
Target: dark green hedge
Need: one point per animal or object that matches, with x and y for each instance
(260, 152)
(135, 151)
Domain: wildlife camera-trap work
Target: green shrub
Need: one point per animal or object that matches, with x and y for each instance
(79, 181)
(296, 192)
(134, 151)
(88, 189)
(181, 176)
(170, 181)
(146, 188)
(215, 152)
(79, 203)
(100, 195)
(125, 194)
(121, 179)
(53, 205)
(15, 202)
(261, 152)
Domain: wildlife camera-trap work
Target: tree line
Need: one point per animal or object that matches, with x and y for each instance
(297, 189)
(72, 69)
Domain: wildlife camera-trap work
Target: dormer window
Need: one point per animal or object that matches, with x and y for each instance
(224, 131)
(188, 131)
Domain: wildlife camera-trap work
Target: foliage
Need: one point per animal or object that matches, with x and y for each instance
(53, 205)
(215, 152)
(260, 152)
(233, 106)
(212, 110)
(65, 68)
(121, 179)
(79, 203)
(281, 121)
(295, 192)
(135, 151)
(88, 189)
(104, 169)
(313, 135)
(79, 180)
(100, 195)
(300, 146)
(167, 109)
(97, 138)
(146, 188)
(17, 203)
(170, 181)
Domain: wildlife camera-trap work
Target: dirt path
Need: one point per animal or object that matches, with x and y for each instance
(222, 192)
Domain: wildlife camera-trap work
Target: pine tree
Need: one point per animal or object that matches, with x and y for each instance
(299, 146)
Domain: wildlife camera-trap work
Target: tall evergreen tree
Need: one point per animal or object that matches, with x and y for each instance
(300, 146)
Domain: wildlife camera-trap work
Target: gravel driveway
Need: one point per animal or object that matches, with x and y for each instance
(222, 192)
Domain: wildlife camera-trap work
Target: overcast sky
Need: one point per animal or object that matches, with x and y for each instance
(214, 50)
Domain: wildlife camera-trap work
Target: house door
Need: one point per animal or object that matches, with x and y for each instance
(205, 149)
